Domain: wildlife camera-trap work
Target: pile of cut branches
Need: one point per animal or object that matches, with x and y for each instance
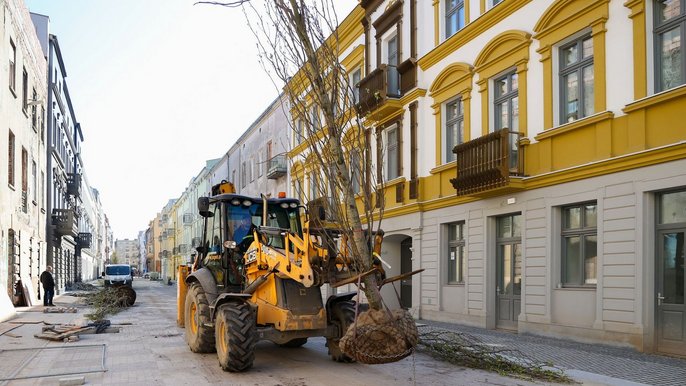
(465, 350)
(81, 286)
(109, 301)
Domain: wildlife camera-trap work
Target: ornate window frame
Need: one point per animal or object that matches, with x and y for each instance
(508, 50)
(454, 81)
(561, 20)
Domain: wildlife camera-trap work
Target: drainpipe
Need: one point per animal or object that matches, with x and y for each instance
(49, 187)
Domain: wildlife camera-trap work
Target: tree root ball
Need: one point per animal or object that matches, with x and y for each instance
(126, 296)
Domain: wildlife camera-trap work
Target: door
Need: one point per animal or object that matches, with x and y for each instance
(508, 272)
(671, 311)
(405, 267)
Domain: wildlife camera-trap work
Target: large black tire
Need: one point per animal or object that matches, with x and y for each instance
(235, 336)
(294, 343)
(343, 315)
(199, 336)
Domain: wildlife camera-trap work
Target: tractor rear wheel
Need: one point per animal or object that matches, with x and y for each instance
(294, 343)
(343, 314)
(199, 334)
(235, 335)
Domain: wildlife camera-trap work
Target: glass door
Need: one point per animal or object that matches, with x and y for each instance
(508, 271)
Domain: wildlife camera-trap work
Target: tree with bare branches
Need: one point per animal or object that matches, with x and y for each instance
(299, 48)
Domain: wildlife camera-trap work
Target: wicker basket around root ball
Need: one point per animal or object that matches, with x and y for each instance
(380, 336)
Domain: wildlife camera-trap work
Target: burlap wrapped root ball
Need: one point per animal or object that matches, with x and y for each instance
(380, 336)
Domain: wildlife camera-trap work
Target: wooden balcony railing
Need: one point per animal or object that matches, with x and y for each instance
(488, 162)
(379, 85)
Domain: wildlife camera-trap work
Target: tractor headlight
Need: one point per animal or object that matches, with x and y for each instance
(235, 202)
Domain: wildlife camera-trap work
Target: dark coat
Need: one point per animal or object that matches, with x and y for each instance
(47, 280)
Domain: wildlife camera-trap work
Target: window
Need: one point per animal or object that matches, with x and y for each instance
(243, 175)
(42, 124)
(392, 162)
(579, 244)
(576, 79)
(355, 170)
(455, 253)
(34, 111)
(42, 191)
(24, 170)
(506, 101)
(259, 164)
(670, 33)
(299, 132)
(315, 120)
(13, 66)
(454, 128)
(454, 17)
(355, 85)
(10, 160)
(251, 169)
(314, 186)
(25, 91)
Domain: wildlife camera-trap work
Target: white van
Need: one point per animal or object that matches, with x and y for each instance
(118, 274)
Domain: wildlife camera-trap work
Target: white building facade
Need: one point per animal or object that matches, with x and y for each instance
(22, 140)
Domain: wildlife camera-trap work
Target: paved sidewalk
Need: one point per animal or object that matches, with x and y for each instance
(586, 362)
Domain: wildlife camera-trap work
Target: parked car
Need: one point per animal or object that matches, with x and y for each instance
(118, 274)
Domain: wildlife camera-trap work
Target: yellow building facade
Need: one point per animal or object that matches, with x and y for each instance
(533, 159)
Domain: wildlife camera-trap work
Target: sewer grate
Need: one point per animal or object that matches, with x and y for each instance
(51, 361)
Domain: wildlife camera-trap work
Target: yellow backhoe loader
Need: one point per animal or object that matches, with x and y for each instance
(258, 275)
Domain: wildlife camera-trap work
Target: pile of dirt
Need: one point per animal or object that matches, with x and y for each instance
(380, 336)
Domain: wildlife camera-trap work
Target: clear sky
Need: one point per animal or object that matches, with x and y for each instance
(159, 86)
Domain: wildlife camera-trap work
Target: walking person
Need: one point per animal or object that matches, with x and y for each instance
(48, 286)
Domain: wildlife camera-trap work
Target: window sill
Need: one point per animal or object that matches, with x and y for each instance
(655, 99)
(11, 186)
(456, 284)
(576, 288)
(446, 166)
(571, 126)
(393, 182)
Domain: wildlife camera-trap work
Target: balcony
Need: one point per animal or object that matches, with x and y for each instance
(381, 90)
(65, 222)
(277, 167)
(485, 165)
(74, 184)
(84, 239)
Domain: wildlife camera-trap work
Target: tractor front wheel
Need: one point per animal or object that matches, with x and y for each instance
(343, 314)
(235, 336)
(199, 333)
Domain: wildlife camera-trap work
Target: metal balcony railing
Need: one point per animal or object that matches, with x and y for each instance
(74, 184)
(65, 222)
(488, 162)
(277, 167)
(84, 240)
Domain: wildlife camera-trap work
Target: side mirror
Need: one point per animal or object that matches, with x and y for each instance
(204, 207)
